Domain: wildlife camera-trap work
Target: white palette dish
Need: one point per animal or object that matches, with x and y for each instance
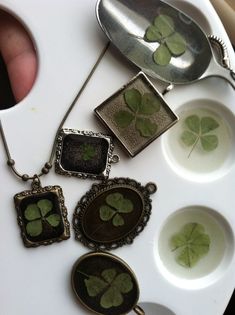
(71, 30)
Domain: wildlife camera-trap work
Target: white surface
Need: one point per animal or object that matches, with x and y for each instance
(68, 41)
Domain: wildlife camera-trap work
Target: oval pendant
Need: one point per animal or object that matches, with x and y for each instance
(105, 284)
(112, 213)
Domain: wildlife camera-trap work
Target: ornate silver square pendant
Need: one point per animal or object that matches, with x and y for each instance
(42, 216)
(136, 114)
(84, 154)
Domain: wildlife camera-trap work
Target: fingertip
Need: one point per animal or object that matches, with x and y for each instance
(19, 55)
(22, 73)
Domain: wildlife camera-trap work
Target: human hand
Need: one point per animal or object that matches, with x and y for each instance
(18, 54)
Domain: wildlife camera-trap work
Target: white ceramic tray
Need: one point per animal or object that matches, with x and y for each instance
(37, 281)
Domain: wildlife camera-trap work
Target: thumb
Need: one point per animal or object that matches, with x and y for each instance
(19, 55)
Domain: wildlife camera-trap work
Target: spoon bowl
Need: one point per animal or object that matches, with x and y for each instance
(161, 40)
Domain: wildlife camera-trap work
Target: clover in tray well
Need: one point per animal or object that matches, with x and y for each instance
(139, 109)
(198, 130)
(110, 286)
(191, 244)
(40, 214)
(116, 205)
(171, 42)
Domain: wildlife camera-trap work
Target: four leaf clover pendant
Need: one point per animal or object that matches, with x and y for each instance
(112, 213)
(136, 114)
(84, 154)
(42, 215)
(105, 284)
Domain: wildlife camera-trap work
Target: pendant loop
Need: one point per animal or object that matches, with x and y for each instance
(36, 183)
(138, 310)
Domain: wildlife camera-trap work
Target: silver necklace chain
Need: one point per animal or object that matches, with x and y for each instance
(48, 165)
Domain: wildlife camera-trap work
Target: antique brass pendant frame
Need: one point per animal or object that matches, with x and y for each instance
(141, 124)
(70, 161)
(92, 265)
(49, 234)
(119, 226)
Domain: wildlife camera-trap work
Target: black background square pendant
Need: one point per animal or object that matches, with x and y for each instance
(42, 216)
(83, 154)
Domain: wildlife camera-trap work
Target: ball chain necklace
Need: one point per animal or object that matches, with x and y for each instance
(41, 211)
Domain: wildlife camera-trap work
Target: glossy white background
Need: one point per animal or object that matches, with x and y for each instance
(68, 41)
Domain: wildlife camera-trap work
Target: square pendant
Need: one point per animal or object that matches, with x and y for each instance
(136, 114)
(42, 216)
(84, 154)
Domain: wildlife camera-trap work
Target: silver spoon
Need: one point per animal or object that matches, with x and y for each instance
(126, 23)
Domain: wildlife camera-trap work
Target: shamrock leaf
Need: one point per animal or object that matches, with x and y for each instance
(146, 127)
(34, 228)
(88, 152)
(139, 106)
(123, 118)
(171, 42)
(116, 205)
(198, 131)
(153, 34)
(95, 285)
(162, 55)
(164, 24)
(149, 105)
(133, 99)
(37, 213)
(176, 44)
(53, 220)
(45, 206)
(191, 244)
(111, 286)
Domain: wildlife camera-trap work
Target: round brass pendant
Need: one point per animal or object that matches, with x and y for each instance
(112, 213)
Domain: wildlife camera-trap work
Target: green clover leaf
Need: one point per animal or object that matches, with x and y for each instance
(34, 228)
(171, 42)
(146, 127)
(176, 44)
(198, 130)
(153, 34)
(149, 105)
(37, 213)
(164, 24)
(45, 206)
(138, 106)
(162, 55)
(116, 205)
(88, 152)
(111, 285)
(191, 244)
(133, 99)
(123, 118)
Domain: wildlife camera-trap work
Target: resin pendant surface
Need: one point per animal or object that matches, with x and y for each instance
(112, 213)
(84, 154)
(136, 114)
(105, 284)
(42, 215)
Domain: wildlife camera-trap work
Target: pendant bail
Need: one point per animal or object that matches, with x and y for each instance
(36, 183)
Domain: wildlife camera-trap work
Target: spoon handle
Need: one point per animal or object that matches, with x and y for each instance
(225, 72)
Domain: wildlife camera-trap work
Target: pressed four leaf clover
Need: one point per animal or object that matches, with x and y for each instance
(171, 42)
(139, 110)
(115, 206)
(39, 213)
(88, 152)
(110, 285)
(191, 244)
(198, 130)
